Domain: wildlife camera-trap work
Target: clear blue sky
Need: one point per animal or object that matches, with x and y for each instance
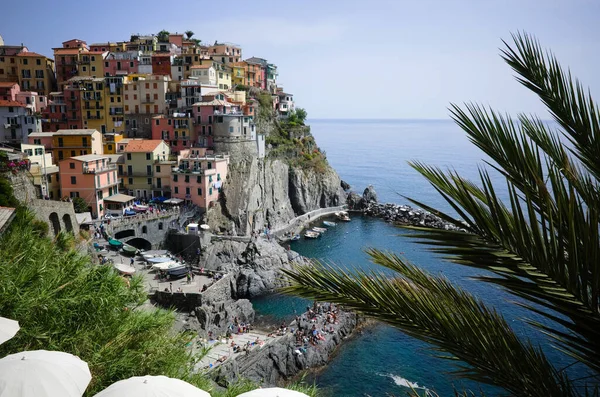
(348, 59)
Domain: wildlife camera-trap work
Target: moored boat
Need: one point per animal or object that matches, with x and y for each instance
(329, 223)
(177, 271)
(115, 243)
(124, 269)
(159, 259)
(311, 234)
(295, 237)
(319, 229)
(342, 216)
(129, 249)
(165, 265)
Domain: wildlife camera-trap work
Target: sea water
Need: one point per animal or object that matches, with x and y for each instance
(382, 360)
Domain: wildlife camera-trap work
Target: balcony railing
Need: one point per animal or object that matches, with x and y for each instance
(194, 171)
(231, 113)
(109, 167)
(164, 188)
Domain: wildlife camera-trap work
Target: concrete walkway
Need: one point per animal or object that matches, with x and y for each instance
(295, 225)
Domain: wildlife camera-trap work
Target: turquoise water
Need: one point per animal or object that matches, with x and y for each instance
(382, 359)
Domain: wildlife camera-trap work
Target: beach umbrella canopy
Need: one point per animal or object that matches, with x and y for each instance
(8, 329)
(42, 373)
(152, 386)
(204, 227)
(272, 392)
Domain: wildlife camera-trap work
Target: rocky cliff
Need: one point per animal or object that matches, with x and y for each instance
(263, 193)
(293, 178)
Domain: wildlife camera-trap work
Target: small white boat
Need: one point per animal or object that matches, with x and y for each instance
(319, 229)
(329, 223)
(166, 265)
(311, 234)
(154, 254)
(342, 216)
(124, 269)
(159, 259)
(296, 237)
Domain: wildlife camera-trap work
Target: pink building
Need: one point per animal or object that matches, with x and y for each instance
(121, 63)
(199, 177)
(204, 114)
(9, 91)
(41, 138)
(91, 177)
(177, 130)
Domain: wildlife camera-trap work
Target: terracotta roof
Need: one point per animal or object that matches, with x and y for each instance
(11, 103)
(142, 146)
(68, 51)
(7, 84)
(204, 66)
(30, 54)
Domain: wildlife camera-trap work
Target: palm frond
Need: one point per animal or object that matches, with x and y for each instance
(432, 309)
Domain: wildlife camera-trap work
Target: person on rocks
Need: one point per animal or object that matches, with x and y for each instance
(171, 287)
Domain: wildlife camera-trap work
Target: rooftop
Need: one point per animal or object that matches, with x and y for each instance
(89, 157)
(4, 103)
(41, 134)
(69, 51)
(142, 146)
(203, 66)
(119, 198)
(30, 54)
(214, 102)
(75, 132)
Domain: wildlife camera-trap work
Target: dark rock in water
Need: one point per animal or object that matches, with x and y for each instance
(369, 195)
(345, 185)
(354, 201)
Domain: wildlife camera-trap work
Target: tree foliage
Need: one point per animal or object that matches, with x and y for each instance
(189, 34)
(163, 35)
(80, 205)
(542, 245)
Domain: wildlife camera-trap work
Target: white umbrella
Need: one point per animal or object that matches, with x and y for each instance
(41, 373)
(8, 329)
(273, 392)
(152, 386)
(204, 227)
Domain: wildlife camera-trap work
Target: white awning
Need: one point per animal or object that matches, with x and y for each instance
(173, 201)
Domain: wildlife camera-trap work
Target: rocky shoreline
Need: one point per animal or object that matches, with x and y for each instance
(368, 205)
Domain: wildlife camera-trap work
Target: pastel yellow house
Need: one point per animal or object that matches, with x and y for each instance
(141, 158)
(223, 76)
(92, 64)
(111, 142)
(92, 102)
(77, 142)
(238, 74)
(114, 104)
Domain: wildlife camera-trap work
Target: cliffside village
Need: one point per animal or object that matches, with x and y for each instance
(153, 118)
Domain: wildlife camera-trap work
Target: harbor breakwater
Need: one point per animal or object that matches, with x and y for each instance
(367, 204)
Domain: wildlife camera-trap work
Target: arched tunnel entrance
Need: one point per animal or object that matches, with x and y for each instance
(68, 223)
(140, 243)
(125, 233)
(55, 220)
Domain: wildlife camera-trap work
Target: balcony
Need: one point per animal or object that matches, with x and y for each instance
(194, 171)
(163, 188)
(231, 113)
(147, 100)
(98, 170)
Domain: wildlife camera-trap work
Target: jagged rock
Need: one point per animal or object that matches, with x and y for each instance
(217, 317)
(279, 361)
(354, 201)
(369, 195)
(346, 186)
